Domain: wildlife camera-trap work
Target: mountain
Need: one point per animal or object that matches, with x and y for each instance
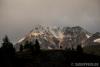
(94, 39)
(56, 37)
(74, 36)
(93, 44)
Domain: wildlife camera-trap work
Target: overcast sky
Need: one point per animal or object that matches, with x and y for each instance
(17, 17)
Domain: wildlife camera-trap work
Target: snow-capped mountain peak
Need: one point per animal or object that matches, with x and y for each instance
(56, 37)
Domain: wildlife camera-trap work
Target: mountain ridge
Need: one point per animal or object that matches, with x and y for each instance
(56, 37)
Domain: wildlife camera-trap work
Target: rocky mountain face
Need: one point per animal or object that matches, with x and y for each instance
(56, 37)
(93, 40)
(92, 44)
(74, 36)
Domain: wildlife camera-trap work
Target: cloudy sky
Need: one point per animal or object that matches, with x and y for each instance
(17, 17)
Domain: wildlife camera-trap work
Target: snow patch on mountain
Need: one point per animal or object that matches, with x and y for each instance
(97, 40)
(21, 40)
(88, 36)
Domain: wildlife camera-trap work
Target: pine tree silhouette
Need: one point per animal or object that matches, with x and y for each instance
(8, 51)
(37, 46)
(7, 46)
(79, 49)
(6, 42)
(21, 48)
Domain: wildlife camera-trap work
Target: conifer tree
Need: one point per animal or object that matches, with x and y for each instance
(37, 46)
(7, 48)
(79, 49)
(21, 48)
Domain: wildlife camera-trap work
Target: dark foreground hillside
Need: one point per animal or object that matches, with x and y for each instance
(51, 58)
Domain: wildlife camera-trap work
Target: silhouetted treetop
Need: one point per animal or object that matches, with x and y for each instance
(6, 42)
(6, 39)
(79, 48)
(21, 48)
(37, 46)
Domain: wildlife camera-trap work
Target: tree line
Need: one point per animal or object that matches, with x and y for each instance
(8, 52)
